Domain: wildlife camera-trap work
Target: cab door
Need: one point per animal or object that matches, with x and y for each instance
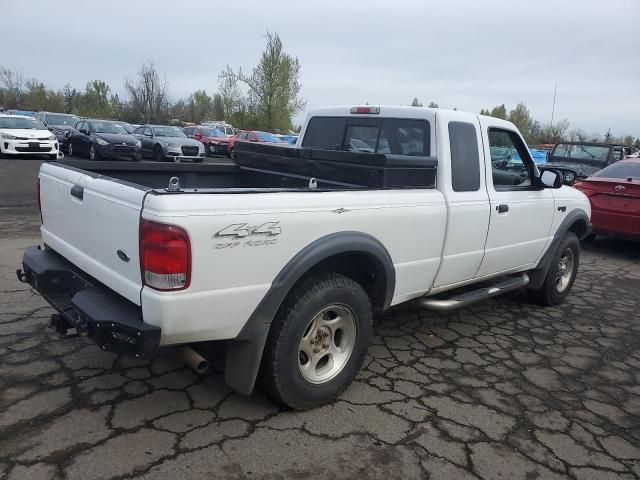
(521, 214)
(461, 177)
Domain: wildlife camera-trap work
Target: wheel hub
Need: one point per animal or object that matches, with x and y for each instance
(327, 343)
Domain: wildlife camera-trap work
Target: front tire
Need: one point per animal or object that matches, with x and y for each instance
(317, 341)
(561, 274)
(93, 153)
(158, 155)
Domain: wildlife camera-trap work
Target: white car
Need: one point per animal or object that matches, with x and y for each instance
(21, 135)
(288, 253)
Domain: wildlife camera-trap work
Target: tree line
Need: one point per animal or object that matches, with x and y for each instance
(264, 97)
(536, 133)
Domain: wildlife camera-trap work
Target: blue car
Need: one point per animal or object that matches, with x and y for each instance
(539, 156)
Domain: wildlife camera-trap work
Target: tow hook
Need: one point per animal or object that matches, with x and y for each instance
(22, 276)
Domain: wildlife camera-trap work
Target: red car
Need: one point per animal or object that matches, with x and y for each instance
(614, 193)
(215, 142)
(253, 136)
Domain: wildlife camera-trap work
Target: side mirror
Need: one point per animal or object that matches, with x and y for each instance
(84, 131)
(551, 179)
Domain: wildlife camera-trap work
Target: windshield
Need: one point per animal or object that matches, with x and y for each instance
(228, 130)
(168, 132)
(268, 137)
(212, 132)
(21, 123)
(623, 170)
(70, 120)
(594, 153)
(127, 128)
(107, 127)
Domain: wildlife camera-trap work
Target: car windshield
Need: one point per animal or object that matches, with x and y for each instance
(127, 128)
(622, 170)
(70, 120)
(21, 123)
(212, 132)
(168, 132)
(268, 137)
(592, 153)
(107, 127)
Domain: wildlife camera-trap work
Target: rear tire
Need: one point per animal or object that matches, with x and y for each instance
(561, 274)
(317, 341)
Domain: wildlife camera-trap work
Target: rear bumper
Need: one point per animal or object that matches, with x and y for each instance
(111, 321)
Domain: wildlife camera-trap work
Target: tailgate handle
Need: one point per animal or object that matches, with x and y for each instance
(77, 191)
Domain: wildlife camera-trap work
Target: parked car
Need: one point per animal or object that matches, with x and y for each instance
(102, 140)
(224, 127)
(215, 142)
(60, 124)
(288, 262)
(578, 160)
(290, 139)
(23, 135)
(165, 143)
(614, 193)
(253, 136)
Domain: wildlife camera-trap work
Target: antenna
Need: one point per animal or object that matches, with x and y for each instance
(553, 109)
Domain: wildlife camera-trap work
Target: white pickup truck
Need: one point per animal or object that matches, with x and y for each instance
(288, 253)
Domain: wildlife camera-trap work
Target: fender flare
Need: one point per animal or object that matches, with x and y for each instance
(244, 353)
(539, 273)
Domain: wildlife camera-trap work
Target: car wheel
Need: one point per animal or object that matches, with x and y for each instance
(70, 149)
(317, 342)
(232, 153)
(158, 155)
(212, 149)
(561, 274)
(93, 153)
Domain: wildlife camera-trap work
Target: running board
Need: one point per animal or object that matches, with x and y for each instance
(467, 298)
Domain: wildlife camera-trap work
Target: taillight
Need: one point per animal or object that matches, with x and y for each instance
(165, 256)
(38, 198)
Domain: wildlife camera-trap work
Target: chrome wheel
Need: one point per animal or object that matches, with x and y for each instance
(565, 270)
(92, 153)
(70, 149)
(327, 344)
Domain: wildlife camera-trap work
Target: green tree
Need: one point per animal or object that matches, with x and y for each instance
(416, 102)
(273, 87)
(218, 107)
(231, 95)
(499, 111)
(521, 118)
(433, 104)
(69, 94)
(627, 140)
(200, 106)
(94, 102)
(13, 87)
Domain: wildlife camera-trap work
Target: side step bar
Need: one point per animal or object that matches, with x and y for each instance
(467, 298)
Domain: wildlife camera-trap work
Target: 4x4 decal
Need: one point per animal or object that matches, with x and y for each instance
(238, 233)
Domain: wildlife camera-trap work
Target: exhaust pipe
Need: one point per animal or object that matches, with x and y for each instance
(197, 362)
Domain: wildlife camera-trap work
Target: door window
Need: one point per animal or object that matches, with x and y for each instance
(147, 131)
(510, 162)
(465, 159)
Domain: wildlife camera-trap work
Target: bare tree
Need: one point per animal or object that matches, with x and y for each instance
(149, 94)
(557, 131)
(13, 87)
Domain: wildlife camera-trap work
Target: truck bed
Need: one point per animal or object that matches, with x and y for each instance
(265, 167)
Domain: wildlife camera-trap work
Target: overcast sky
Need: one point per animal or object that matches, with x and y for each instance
(468, 55)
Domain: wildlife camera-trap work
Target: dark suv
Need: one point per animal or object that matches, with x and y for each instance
(581, 159)
(60, 124)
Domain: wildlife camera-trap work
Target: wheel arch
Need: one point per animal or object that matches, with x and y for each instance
(576, 221)
(354, 254)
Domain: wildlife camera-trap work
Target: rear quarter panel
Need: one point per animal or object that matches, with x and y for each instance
(231, 274)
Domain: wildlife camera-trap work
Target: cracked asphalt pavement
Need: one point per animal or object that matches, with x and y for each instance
(504, 389)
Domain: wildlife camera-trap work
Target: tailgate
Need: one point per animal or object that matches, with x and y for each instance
(93, 222)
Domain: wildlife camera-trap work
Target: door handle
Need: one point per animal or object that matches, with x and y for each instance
(503, 208)
(77, 191)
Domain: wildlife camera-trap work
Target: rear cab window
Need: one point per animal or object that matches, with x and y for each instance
(395, 136)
